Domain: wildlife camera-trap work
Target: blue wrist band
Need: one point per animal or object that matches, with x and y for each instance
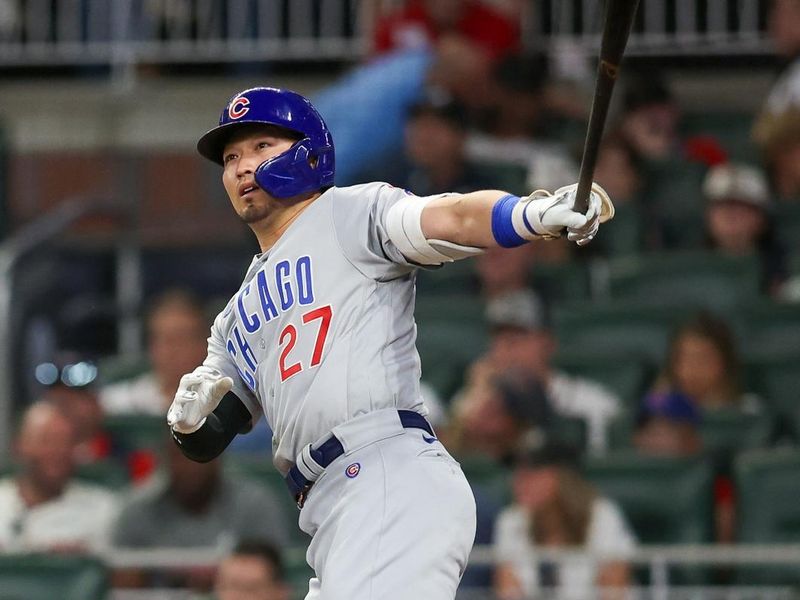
(502, 228)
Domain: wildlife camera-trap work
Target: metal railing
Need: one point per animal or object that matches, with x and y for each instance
(123, 33)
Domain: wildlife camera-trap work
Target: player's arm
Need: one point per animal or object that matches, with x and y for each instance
(206, 415)
(452, 226)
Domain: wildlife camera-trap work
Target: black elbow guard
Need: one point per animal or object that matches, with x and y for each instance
(221, 426)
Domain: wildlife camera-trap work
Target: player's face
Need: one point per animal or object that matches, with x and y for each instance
(241, 157)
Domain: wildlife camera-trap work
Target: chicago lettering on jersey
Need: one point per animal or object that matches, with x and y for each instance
(264, 298)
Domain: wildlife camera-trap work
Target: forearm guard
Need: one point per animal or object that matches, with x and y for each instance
(221, 426)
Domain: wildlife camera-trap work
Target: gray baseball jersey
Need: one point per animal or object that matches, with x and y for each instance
(322, 328)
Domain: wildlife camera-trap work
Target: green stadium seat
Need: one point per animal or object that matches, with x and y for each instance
(560, 282)
(730, 129)
(768, 485)
(137, 431)
(776, 380)
(506, 176)
(787, 223)
(107, 473)
(451, 307)
(119, 368)
(623, 330)
(458, 277)
(297, 572)
(673, 195)
(627, 236)
(447, 349)
(667, 500)
(726, 432)
(770, 329)
(47, 577)
(696, 279)
(493, 478)
(626, 378)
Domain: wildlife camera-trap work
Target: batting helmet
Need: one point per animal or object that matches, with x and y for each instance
(307, 166)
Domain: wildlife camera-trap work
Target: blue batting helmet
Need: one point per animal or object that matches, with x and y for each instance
(307, 166)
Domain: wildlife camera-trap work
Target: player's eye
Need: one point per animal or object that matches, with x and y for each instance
(228, 158)
(263, 144)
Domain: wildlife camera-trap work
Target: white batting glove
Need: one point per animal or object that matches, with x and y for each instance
(199, 393)
(549, 215)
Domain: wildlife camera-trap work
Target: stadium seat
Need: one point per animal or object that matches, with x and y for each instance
(493, 478)
(666, 500)
(694, 279)
(726, 432)
(626, 378)
(137, 431)
(569, 430)
(458, 277)
(673, 196)
(730, 129)
(561, 282)
(622, 330)
(787, 223)
(770, 329)
(769, 511)
(297, 572)
(447, 349)
(107, 473)
(458, 308)
(47, 577)
(776, 380)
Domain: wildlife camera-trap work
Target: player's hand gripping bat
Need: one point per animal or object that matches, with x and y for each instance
(618, 22)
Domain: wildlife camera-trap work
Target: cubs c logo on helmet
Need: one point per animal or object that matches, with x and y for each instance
(238, 107)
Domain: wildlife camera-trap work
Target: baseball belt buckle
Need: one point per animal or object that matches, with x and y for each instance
(303, 494)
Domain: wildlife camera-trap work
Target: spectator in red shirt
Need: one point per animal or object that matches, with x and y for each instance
(421, 23)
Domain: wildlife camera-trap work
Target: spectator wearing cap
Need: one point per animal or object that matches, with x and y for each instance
(554, 507)
(435, 136)
(668, 425)
(521, 339)
(739, 219)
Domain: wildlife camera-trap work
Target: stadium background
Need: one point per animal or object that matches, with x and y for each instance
(104, 205)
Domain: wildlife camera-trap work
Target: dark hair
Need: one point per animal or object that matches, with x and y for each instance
(645, 89)
(522, 73)
(181, 297)
(719, 334)
(265, 552)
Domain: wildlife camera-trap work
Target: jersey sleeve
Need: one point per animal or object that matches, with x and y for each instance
(219, 359)
(359, 221)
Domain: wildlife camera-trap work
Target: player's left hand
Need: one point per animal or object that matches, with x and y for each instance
(199, 393)
(600, 209)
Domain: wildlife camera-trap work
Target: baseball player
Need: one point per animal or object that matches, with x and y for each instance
(320, 339)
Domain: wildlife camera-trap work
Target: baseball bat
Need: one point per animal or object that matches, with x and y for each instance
(616, 29)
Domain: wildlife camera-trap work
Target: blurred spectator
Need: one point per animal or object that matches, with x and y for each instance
(177, 330)
(555, 507)
(668, 425)
(777, 126)
(422, 23)
(42, 507)
(514, 126)
(254, 571)
(435, 137)
(649, 122)
(522, 340)
(502, 271)
(69, 382)
(494, 413)
(195, 504)
(703, 363)
(618, 170)
(739, 220)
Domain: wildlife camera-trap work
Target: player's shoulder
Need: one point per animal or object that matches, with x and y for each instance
(366, 192)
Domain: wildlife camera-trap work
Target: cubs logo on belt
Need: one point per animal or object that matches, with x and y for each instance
(238, 107)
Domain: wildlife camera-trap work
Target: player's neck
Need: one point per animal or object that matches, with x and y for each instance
(269, 230)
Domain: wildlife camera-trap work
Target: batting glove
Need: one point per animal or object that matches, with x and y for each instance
(199, 393)
(600, 209)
